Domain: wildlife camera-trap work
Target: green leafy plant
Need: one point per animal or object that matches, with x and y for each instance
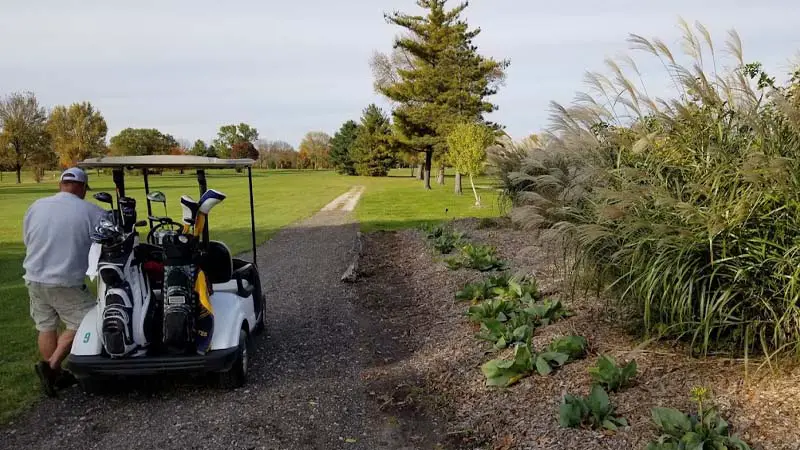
(545, 362)
(447, 242)
(502, 372)
(499, 310)
(518, 329)
(547, 312)
(611, 376)
(572, 346)
(478, 257)
(703, 430)
(485, 289)
(594, 411)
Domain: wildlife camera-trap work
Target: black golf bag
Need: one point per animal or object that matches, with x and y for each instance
(180, 298)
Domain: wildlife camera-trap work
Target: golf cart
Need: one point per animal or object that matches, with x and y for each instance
(175, 301)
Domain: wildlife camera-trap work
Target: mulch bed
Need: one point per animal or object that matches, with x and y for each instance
(426, 360)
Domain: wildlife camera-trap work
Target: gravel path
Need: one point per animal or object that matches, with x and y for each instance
(304, 392)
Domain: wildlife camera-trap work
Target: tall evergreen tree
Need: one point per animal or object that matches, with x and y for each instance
(444, 82)
(341, 146)
(372, 151)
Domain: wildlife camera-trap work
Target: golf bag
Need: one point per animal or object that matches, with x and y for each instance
(180, 298)
(124, 294)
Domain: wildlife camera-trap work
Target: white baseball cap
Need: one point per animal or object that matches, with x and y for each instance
(75, 175)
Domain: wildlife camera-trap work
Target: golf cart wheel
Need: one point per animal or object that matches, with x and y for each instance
(94, 385)
(236, 377)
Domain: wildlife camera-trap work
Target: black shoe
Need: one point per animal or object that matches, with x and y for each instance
(46, 378)
(65, 379)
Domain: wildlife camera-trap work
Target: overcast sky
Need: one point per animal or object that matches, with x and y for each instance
(188, 66)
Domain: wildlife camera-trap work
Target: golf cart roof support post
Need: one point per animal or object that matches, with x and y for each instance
(252, 214)
(119, 181)
(146, 195)
(201, 181)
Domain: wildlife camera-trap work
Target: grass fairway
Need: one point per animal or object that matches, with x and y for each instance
(281, 198)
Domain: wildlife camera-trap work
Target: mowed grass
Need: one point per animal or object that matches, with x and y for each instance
(280, 197)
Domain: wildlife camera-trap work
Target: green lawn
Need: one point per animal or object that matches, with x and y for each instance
(281, 198)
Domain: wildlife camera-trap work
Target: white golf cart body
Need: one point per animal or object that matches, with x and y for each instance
(237, 301)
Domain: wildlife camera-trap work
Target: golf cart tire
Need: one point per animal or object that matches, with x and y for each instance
(261, 326)
(236, 377)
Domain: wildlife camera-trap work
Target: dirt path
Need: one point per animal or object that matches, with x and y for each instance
(305, 390)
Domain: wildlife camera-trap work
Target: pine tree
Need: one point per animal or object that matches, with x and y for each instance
(341, 147)
(445, 82)
(372, 151)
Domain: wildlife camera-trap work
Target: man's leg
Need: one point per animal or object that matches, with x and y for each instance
(48, 341)
(72, 305)
(46, 319)
(62, 349)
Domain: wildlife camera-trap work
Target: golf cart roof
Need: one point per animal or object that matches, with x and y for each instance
(164, 162)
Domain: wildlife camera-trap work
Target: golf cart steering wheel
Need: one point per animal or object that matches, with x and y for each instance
(162, 224)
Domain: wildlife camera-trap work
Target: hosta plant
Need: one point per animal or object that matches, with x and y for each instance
(447, 242)
(499, 310)
(546, 362)
(572, 346)
(611, 376)
(478, 257)
(485, 289)
(547, 312)
(594, 411)
(505, 372)
(703, 430)
(518, 329)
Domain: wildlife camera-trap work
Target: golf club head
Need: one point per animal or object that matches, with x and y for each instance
(157, 196)
(209, 200)
(189, 207)
(104, 197)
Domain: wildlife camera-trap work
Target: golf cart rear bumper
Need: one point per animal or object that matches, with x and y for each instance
(93, 365)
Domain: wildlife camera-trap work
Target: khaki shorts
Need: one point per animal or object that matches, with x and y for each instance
(50, 303)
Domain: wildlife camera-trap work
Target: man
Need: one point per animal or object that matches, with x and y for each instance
(56, 233)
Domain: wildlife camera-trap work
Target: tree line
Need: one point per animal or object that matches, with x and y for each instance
(438, 84)
(31, 138)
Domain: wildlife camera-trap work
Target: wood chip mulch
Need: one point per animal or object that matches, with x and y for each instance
(427, 360)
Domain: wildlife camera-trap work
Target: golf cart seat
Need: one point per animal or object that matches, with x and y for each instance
(227, 274)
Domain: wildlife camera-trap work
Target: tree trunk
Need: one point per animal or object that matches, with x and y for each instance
(440, 178)
(412, 171)
(458, 190)
(428, 158)
(421, 173)
(477, 199)
(19, 174)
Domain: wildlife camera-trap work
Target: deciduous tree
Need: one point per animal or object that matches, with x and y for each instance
(199, 148)
(315, 150)
(142, 141)
(23, 132)
(229, 135)
(468, 143)
(78, 132)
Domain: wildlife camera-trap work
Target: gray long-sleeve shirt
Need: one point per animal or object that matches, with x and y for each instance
(56, 232)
